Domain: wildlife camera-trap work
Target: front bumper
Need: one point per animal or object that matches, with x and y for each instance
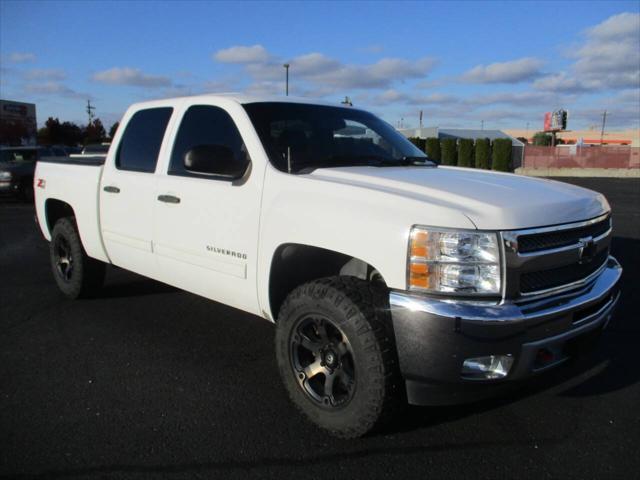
(434, 336)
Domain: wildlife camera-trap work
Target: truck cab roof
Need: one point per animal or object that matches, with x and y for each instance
(236, 97)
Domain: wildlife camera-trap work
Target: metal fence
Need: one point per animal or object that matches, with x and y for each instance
(572, 156)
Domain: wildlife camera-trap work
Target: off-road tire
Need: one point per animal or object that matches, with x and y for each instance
(85, 275)
(360, 311)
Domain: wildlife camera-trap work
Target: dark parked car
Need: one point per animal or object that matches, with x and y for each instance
(17, 165)
(96, 149)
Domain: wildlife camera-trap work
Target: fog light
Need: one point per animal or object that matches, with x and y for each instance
(487, 368)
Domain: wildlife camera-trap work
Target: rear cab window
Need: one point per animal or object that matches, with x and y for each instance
(140, 143)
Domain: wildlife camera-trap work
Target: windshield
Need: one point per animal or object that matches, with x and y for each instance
(300, 137)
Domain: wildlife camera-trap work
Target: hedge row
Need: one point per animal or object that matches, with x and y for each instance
(502, 154)
(449, 151)
(465, 152)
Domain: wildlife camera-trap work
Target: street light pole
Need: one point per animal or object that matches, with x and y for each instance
(286, 87)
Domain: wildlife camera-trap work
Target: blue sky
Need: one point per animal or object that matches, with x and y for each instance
(504, 63)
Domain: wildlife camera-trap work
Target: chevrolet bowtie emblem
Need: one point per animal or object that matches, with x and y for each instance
(586, 249)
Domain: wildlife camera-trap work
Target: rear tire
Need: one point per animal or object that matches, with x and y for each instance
(76, 274)
(337, 357)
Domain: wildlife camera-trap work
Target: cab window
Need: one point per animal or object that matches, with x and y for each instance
(140, 144)
(205, 125)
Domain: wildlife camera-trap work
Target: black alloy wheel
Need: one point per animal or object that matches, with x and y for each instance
(63, 258)
(336, 355)
(76, 274)
(322, 358)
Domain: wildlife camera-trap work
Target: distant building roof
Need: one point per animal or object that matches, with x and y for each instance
(440, 132)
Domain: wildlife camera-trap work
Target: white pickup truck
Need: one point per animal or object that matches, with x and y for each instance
(389, 279)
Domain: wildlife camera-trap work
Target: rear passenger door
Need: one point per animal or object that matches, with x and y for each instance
(127, 191)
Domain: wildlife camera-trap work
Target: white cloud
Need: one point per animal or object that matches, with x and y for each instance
(45, 74)
(631, 97)
(392, 96)
(375, 48)
(620, 26)
(218, 86)
(265, 89)
(516, 99)
(130, 76)
(316, 70)
(560, 82)
(608, 59)
(313, 64)
(53, 88)
(620, 117)
(515, 71)
(242, 54)
(22, 57)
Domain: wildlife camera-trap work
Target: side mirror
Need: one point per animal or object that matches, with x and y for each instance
(214, 160)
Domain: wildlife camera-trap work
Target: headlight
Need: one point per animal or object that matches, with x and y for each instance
(5, 175)
(449, 261)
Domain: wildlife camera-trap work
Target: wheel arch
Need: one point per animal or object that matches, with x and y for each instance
(293, 264)
(54, 210)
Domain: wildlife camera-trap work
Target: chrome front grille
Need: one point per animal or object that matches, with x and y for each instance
(555, 277)
(551, 259)
(561, 238)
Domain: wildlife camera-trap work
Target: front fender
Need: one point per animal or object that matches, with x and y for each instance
(364, 223)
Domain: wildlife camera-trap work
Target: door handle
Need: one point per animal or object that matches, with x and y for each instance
(111, 189)
(168, 199)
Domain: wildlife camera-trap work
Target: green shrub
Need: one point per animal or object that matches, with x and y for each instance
(483, 153)
(501, 158)
(432, 149)
(418, 142)
(465, 152)
(449, 151)
(542, 139)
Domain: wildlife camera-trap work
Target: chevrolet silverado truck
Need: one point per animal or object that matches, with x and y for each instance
(390, 279)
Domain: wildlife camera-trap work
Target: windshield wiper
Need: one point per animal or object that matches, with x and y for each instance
(354, 161)
(338, 161)
(417, 161)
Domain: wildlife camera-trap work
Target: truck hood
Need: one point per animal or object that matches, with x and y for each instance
(491, 200)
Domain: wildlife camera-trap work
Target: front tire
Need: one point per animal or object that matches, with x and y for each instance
(336, 355)
(76, 274)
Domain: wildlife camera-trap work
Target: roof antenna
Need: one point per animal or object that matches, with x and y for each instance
(289, 159)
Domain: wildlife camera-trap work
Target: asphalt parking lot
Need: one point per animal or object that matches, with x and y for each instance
(147, 380)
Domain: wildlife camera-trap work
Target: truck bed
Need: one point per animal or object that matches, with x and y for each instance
(75, 182)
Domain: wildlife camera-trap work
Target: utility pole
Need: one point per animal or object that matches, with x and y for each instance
(286, 88)
(90, 109)
(604, 122)
(481, 124)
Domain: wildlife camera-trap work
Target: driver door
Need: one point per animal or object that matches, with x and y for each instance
(206, 225)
